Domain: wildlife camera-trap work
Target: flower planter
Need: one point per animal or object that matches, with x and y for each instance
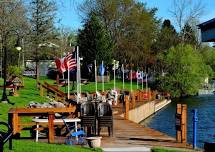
(94, 142)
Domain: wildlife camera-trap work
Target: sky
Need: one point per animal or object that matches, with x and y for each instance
(70, 17)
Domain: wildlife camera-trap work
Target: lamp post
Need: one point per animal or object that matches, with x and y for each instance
(4, 48)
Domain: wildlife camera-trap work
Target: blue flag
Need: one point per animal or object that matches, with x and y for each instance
(101, 69)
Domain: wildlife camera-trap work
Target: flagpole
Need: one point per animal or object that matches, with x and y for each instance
(77, 73)
(131, 80)
(137, 79)
(123, 77)
(103, 78)
(68, 93)
(114, 73)
(146, 83)
(142, 79)
(95, 75)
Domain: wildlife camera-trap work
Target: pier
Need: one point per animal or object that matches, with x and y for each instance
(130, 134)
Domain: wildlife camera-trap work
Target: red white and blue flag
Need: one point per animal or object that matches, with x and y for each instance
(67, 63)
(70, 61)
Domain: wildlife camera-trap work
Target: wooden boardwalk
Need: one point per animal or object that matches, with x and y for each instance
(130, 134)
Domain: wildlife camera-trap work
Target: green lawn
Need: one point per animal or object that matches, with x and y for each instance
(31, 93)
(30, 146)
(170, 150)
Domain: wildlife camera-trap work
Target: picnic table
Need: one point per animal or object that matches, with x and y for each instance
(15, 115)
(56, 121)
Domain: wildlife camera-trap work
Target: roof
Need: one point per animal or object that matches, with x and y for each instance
(207, 25)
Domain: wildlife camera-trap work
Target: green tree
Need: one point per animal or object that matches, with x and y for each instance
(94, 41)
(13, 26)
(42, 14)
(189, 35)
(185, 71)
(132, 27)
(208, 54)
(167, 37)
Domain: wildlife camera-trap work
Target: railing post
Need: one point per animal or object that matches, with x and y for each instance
(41, 91)
(195, 120)
(133, 100)
(126, 116)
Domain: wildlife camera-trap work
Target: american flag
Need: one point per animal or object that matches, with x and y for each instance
(70, 61)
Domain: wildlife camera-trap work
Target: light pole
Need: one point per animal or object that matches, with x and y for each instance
(4, 48)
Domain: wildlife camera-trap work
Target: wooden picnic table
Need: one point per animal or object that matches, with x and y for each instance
(15, 115)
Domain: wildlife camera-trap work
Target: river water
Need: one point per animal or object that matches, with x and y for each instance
(164, 120)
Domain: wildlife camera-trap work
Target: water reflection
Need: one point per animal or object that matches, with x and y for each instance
(164, 120)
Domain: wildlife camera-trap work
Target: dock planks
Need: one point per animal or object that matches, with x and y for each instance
(130, 134)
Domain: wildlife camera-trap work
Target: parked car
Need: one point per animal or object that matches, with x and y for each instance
(52, 73)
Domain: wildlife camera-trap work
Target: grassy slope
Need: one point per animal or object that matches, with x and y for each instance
(31, 93)
(30, 146)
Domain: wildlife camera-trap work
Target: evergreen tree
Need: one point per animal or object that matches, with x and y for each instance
(188, 35)
(94, 42)
(167, 37)
(42, 14)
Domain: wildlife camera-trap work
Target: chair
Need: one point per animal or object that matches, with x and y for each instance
(6, 133)
(105, 117)
(75, 138)
(88, 117)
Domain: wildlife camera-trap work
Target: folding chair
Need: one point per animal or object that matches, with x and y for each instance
(76, 137)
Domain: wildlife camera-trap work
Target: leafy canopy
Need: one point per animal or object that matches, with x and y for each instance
(185, 71)
(95, 42)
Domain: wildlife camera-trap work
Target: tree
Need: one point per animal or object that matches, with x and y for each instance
(185, 71)
(131, 25)
(208, 54)
(13, 21)
(42, 14)
(167, 37)
(187, 12)
(189, 35)
(94, 42)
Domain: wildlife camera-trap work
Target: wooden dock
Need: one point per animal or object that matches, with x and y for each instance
(130, 134)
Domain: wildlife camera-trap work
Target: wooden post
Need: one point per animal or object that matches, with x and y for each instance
(41, 91)
(133, 99)
(181, 123)
(184, 123)
(126, 116)
(51, 127)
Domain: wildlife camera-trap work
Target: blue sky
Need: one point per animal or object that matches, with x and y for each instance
(70, 16)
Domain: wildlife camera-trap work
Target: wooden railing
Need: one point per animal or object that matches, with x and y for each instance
(53, 92)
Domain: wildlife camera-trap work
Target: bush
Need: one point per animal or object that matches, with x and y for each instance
(15, 71)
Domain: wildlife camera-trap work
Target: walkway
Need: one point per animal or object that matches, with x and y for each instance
(130, 134)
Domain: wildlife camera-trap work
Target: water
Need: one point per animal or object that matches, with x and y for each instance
(164, 120)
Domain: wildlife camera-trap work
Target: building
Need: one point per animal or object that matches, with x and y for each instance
(208, 30)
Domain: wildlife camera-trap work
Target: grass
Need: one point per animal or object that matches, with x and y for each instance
(30, 146)
(31, 93)
(170, 150)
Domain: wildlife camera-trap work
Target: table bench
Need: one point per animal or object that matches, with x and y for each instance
(15, 115)
(56, 121)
